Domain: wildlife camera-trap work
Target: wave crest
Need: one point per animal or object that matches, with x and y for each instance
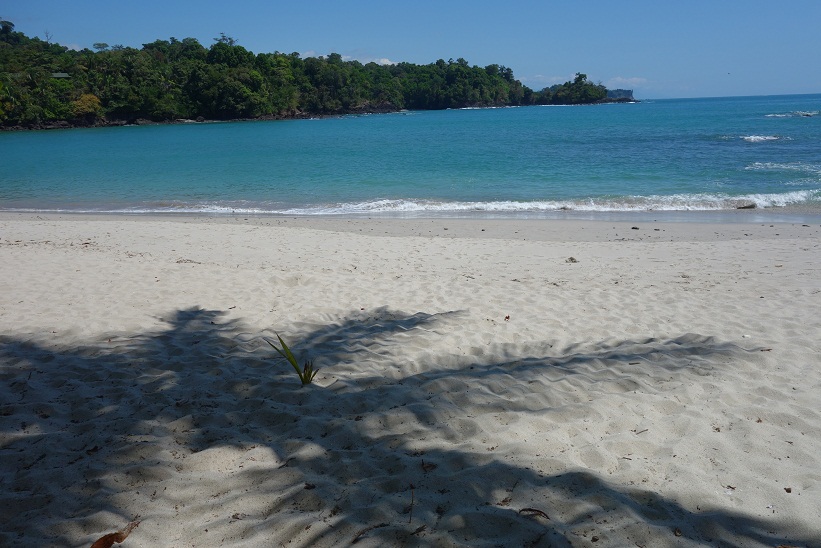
(795, 114)
(677, 202)
(810, 169)
(760, 138)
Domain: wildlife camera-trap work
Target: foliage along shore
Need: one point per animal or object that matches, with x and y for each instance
(45, 85)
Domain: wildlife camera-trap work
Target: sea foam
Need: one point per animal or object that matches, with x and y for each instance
(677, 202)
(799, 167)
(760, 138)
(794, 114)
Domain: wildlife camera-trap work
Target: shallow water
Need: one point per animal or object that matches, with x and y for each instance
(671, 155)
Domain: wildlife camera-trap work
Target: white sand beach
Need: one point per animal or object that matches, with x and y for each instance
(481, 382)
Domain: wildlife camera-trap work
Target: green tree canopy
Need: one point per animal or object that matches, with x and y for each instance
(43, 82)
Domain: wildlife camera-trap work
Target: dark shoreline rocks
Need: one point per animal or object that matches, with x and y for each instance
(299, 115)
(68, 124)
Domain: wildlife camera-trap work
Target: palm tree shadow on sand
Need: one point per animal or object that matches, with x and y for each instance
(200, 419)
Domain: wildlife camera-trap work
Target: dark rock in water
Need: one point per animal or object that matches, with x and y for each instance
(620, 94)
(746, 206)
(59, 124)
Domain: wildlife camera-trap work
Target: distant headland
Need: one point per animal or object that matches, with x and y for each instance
(45, 85)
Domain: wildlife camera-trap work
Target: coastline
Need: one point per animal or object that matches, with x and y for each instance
(505, 381)
(367, 110)
(554, 226)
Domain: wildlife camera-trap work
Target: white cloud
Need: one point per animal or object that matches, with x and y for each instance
(366, 60)
(381, 61)
(362, 59)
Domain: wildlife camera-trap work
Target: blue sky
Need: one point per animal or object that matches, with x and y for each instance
(659, 48)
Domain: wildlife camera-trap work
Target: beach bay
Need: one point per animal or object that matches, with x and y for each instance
(473, 277)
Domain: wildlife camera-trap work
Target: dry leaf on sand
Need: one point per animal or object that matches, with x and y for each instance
(108, 540)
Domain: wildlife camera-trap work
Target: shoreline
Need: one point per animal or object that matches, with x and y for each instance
(481, 381)
(370, 110)
(565, 226)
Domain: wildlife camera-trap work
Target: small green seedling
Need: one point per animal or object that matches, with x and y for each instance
(307, 373)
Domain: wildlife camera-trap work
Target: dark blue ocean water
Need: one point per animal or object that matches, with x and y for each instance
(689, 154)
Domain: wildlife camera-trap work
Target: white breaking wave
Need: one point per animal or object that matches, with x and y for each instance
(677, 202)
(760, 138)
(797, 113)
(811, 169)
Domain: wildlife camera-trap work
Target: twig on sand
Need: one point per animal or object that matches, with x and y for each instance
(534, 511)
(410, 518)
(365, 530)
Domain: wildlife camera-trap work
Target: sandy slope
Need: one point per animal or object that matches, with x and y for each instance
(477, 386)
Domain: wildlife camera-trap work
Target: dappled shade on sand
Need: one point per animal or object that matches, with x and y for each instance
(201, 430)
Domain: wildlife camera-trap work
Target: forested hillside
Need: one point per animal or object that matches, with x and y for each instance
(44, 84)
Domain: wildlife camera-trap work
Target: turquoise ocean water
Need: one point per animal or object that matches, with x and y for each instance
(671, 155)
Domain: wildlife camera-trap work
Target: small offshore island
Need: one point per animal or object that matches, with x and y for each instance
(46, 85)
